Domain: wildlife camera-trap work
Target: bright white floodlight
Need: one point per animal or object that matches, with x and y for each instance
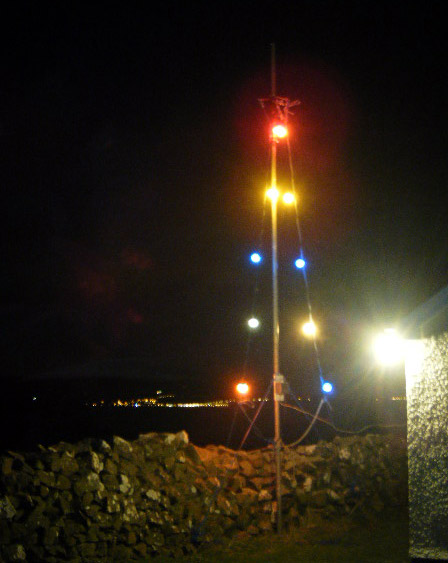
(389, 347)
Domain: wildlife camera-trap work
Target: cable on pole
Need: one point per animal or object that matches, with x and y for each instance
(256, 289)
(229, 436)
(329, 423)
(301, 245)
(263, 401)
(308, 430)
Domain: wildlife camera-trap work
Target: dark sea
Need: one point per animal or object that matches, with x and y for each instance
(29, 418)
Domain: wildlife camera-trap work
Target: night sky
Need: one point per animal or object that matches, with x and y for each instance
(134, 160)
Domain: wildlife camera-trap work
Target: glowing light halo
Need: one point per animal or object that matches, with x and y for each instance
(256, 257)
(279, 131)
(288, 198)
(300, 263)
(242, 388)
(273, 194)
(253, 323)
(389, 347)
(309, 329)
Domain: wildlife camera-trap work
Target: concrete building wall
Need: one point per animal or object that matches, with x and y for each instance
(427, 404)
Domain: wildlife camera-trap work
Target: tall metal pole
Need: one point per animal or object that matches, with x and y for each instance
(273, 73)
(276, 329)
(278, 109)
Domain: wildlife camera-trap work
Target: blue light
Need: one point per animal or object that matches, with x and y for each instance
(300, 263)
(327, 387)
(255, 258)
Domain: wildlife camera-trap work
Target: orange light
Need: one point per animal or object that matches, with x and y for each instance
(279, 131)
(242, 388)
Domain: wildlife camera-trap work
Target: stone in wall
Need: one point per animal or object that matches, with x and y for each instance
(95, 501)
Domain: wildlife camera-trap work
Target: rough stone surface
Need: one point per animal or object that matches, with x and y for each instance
(124, 501)
(427, 392)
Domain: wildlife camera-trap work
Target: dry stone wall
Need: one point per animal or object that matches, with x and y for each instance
(96, 501)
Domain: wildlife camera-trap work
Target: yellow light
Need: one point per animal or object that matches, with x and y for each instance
(279, 131)
(309, 329)
(288, 198)
(242, 388)
(272, 194)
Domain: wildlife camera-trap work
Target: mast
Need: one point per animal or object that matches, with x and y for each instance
(277, 109)
(277, 379)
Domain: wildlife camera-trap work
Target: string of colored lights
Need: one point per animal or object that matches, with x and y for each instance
(300, 263)
(256, 288)
(303, 261)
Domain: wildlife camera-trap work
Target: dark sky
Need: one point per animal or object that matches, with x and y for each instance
(134, 162)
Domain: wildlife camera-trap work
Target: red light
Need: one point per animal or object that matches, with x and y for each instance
(279, 131)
